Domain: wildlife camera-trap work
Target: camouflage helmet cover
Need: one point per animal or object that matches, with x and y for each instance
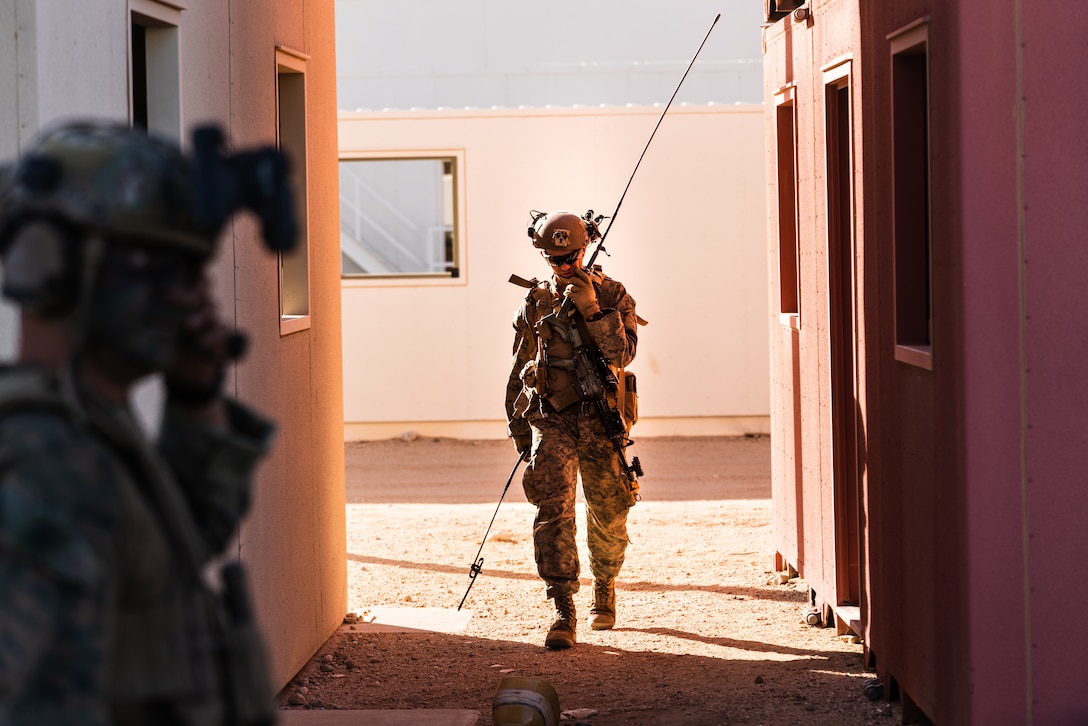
(108, 178)
(558, 232)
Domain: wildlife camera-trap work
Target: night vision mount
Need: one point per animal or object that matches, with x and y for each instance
(256, 180)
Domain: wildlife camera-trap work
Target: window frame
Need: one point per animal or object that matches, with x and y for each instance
(291, 62)
(912, 39)
(161, 66)
(420, 279)
(789, 260)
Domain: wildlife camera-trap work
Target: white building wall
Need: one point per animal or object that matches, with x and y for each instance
(84, 71)
(434, 357)
(14, 22)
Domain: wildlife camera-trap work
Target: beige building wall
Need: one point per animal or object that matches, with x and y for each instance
(220, 61)
(433, 356)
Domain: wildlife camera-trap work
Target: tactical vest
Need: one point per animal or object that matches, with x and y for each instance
(551, 377)
(181, 646)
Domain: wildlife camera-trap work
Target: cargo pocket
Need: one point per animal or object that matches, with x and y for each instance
(527, 484)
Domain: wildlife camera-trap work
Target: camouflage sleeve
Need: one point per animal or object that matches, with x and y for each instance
(57, 518)
(214, 467)
(616, 330)
(29, 614)
(524, 351)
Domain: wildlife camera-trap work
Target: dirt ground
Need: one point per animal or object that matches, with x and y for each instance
(707, 632)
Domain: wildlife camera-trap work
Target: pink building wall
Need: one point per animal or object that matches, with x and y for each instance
(970, 466)
(992, 353)
(1054, 183)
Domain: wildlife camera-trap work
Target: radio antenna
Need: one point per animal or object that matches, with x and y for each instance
(612, 219)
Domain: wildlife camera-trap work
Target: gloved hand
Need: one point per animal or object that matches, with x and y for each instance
(582, 293)
(523, 442)
(206, 346)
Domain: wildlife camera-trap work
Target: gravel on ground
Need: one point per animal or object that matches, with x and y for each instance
(706, 632)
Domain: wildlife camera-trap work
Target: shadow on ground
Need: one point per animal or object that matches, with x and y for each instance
(412, 670)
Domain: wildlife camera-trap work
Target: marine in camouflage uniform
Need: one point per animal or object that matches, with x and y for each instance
(563, 434)
(107, 615)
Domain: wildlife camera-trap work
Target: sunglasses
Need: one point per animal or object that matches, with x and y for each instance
(560, 260)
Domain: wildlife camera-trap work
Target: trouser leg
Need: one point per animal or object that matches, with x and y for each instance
(608, 500)
(550, 482)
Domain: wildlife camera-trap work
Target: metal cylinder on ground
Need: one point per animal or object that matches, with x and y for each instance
(525, 702)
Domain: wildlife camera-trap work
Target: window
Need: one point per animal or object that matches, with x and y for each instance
(910, 182)
(294, 266)
(788, 277)
(154, 68)
(840, 173)
(399, 216)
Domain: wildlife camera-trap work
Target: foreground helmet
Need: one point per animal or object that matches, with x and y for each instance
(85, 181)
(558, 232)
(106, 178)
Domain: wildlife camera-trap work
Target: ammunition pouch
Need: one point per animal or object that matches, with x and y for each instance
(553, 382)
(629, 386)
(564, 396)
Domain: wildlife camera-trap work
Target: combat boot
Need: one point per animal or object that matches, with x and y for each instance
(604, 605)
(564, 630)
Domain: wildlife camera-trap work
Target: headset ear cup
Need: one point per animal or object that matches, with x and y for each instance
(39, 268)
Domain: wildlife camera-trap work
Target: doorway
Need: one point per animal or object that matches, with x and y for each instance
(842, 290)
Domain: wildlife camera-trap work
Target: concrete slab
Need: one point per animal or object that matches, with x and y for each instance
(397, 717)
(391, 619)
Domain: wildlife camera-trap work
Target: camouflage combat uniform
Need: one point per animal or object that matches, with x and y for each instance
(568, 438)
(104, 616)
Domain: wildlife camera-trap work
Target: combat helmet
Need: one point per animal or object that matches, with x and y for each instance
(108, 178)
(558, 231)
(83, 183)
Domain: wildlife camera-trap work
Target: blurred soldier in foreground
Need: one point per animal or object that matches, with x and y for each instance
(562, 411)
(108, 611)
